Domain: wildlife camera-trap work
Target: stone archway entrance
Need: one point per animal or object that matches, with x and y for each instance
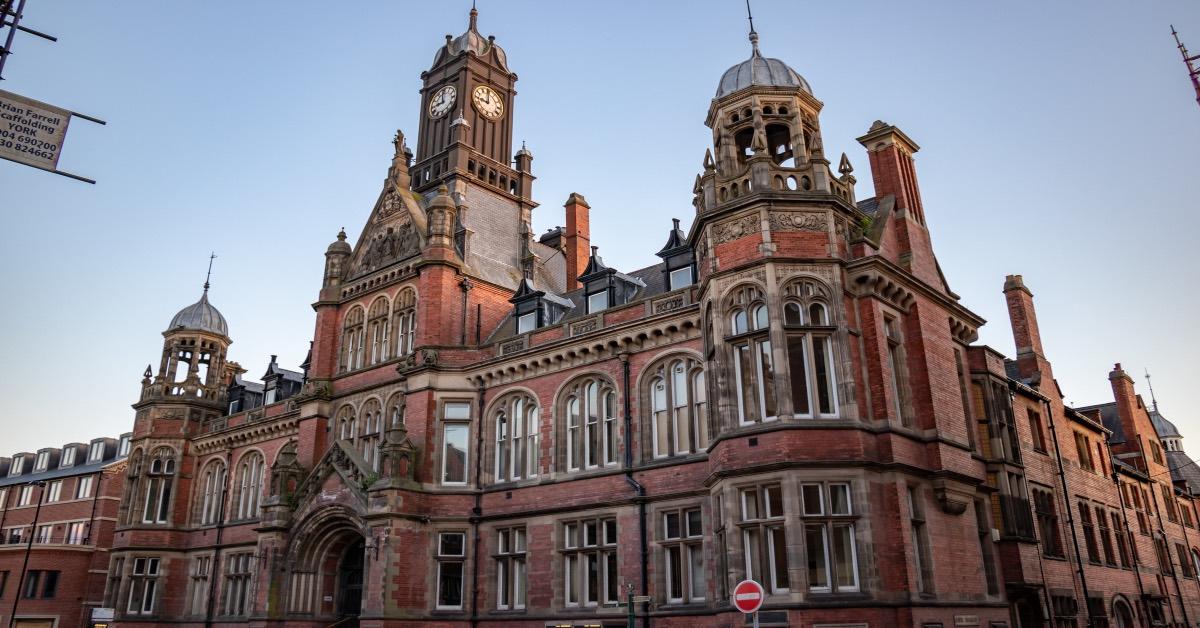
(350, 580)
(1123, 615)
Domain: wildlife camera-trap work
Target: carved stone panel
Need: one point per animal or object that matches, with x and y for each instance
(798, 221)
(736, 228)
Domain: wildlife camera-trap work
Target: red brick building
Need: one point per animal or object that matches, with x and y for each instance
(58, 508)
(495, 428)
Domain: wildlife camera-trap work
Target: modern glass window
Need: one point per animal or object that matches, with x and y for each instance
(764, 541)
(95, 452)
(43, 534)
(83, 487)
(808, 320)
(76, 533)
(753, 363)
(510, 568)
(42, 461)
(923, 564)
(17, 466)
(456, 433)
(451, 556)
(679, 408)
(25, 497)
(40, 584)
(591, 416)
(235, 597)
(681, 277)
(683, 554)
(68, 458)
(829, 539)
(526, 322)
(590, 562)
(54, 491)
(123, 446)
(143, 586)
(517, 426)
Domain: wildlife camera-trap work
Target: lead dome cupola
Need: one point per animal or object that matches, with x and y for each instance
(759, 71)
(474, 42)
(200, 316)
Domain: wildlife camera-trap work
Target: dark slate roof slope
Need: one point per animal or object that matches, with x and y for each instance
(1107, 413)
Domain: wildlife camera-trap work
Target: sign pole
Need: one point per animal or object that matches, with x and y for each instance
(755, 619)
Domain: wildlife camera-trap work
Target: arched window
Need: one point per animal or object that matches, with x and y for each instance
(753, 364)
(808, 321)
(372, 433)
(160, 479)
(346, 425)
(517, 429)
(678, 408)
(591, 417)
(212, 487)
(404, 324)
(378, 325)
(249, 485)
(353, 337)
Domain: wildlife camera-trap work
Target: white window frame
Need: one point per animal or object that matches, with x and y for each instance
(83, 487)
(594, 304)
(67, 459)
(95, 452)
(456, 423)
(144, 579)
(676, 274)
(527, 322)
(442, 560)
(25, 497)
(17, 466)
(76, 533)
(54, 491)
(41, 461)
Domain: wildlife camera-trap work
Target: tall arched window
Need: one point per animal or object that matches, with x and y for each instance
(808, 320)
(404, 316)
(160, 479)
(378, 324)
(346, 425)
(591, 416)
(212, 485)
(678, 408)
(249, 485)
(753, 364)
(516, 424)
(353, 337)
(372, 433)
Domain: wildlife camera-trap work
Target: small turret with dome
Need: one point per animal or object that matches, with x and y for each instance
(193, 358)
(200, 316)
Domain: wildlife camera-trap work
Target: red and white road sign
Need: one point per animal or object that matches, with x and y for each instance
(748, 596)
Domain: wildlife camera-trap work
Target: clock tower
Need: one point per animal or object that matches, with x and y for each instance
(465, 142)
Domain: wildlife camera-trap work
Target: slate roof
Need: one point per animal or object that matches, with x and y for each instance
(54, 474)
(1184, 469)
(1107, 413)
(868, 206)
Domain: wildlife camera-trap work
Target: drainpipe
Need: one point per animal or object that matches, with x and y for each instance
(477, 511)
(1130, 541)
(466, 286)
(95, 497)
(1062, 478)
(12, 618)
(213, 567)
(1174, 573)
(638, 489)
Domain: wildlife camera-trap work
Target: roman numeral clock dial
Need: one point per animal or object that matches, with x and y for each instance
(487, 102)
(442, 101)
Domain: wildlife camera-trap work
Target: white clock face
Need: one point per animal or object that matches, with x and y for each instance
(487, 102)
(442, 101)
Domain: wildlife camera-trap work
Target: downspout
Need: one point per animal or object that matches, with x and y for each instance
(1167, 548)
(638, 489)
(466, 286)
(1129, 538)
(477, 511)
(12, 617)
(95, 497)
(1188, 546)
(213, 567)
(1062, 478)
(1041, 549)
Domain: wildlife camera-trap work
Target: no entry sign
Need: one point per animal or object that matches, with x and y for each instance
(748, 596)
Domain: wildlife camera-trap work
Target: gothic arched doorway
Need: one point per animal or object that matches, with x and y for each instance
(1123, 614)
(350, 580)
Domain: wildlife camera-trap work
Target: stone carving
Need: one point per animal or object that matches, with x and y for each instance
(424, 357)
(512, 346)
(736, 228)
(797, 221)
(669, 305)
(391, 204)
(784, 272)
(584, 327)
(397, 242)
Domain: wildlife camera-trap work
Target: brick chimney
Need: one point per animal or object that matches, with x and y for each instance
(1023, 318)
(576, 238)
(890, 152)
(1127, 406)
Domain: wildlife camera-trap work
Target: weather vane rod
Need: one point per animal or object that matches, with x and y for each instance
(212, 256)
(1151, 386)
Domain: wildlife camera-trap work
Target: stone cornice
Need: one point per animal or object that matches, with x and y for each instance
(247, 434)
(879, 277)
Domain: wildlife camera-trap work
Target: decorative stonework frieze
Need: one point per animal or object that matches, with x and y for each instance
(247, 434)
(736, 228)
(585, 326)
(669, 304)
(784, 272)
(513, 346)
(798, 221)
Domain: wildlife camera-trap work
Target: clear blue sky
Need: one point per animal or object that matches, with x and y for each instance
(1057, 140)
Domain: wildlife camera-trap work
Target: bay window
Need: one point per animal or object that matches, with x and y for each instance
(829, 540)
(753, 363)
(808, 321)
(764, 544)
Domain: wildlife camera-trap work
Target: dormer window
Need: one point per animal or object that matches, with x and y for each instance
(68, 458)
(678, 261)
(18, 465)
(270, 397)
(604, 287)
(43, 460)
(123, 446)
(95, 451)
(535, 308)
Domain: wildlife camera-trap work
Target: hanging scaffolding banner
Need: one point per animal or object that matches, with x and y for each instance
(32, 132)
